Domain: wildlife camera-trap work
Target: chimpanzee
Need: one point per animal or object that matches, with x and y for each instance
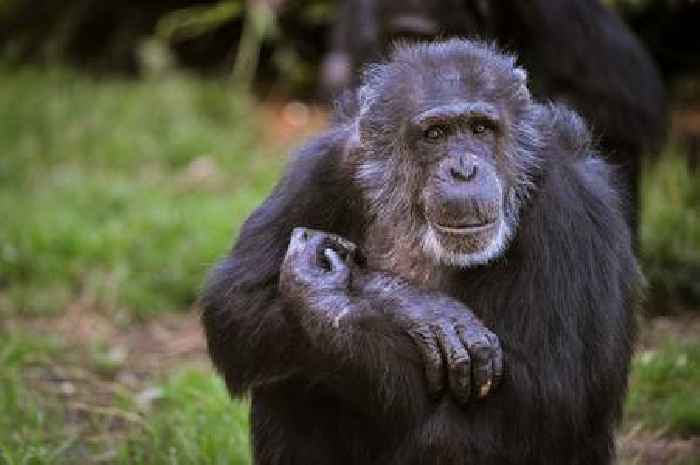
(578, 52)
(444, 277)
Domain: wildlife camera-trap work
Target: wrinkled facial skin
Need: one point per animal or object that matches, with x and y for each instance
(462, 197)
(444, 150)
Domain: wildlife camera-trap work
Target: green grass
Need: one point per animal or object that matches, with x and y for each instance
(191, 421)
(121, 194)
(30, 433)
(100, 193)
(665, 389)
(195, 423)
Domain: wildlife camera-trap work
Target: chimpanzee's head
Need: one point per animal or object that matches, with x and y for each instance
(445, 141)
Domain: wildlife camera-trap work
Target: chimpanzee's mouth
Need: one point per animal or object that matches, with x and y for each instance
(469, 228)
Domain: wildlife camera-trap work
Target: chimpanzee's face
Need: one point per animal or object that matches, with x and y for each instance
(456, 148)
(440, 157)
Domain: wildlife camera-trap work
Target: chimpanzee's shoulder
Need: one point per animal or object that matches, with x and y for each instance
(567, 134)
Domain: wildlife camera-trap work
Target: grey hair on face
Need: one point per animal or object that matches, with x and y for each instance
(507, 223)
(434, 249)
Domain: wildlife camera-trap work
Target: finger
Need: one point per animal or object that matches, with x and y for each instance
(348, 247)
(338, 273)
(482, 353)
(316, 260)
(482, 373)
(337, 263)
(424, 339)
(497, 360)
(457, 360)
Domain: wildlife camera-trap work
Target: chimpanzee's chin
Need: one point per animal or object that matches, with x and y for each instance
(466, 240)
(465, 247)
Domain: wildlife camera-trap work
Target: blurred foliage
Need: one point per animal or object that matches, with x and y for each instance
(289, 41)
(668, 29)
(259, 23)
(280, 42)
(670, 230)
(197, 20)
(664, 394)
(120, 193)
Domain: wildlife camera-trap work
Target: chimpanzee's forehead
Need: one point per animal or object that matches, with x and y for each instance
(420, 77)
(449, 84)
(456, 71)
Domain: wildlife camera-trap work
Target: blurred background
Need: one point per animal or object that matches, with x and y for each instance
(135, 137)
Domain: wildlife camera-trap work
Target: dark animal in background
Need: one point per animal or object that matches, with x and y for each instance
(444, 277)
(578, 52)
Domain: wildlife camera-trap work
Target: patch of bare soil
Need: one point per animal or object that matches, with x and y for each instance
(643, 448)
(146, 348)
(683, 327)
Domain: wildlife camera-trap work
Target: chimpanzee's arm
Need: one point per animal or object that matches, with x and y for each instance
(249, 338)
(361, 321)
(378, 361)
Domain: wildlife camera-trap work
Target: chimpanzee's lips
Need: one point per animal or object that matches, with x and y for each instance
(470, 228)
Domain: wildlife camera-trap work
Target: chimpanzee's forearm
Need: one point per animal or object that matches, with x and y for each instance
(366, 359)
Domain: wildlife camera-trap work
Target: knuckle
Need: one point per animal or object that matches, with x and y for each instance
(461, 364)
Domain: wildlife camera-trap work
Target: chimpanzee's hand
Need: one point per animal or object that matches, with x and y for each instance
(316, 269)
(454, 345)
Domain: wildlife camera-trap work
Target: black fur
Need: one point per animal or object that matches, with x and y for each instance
(560, 299)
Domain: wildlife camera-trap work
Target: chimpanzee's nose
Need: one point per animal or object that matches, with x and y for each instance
(464, 169)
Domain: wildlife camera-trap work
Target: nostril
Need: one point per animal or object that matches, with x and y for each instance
(465, 173)
(471, 171)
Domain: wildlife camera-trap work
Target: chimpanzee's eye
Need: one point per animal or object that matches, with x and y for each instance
(434, 133)
(480, 127)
